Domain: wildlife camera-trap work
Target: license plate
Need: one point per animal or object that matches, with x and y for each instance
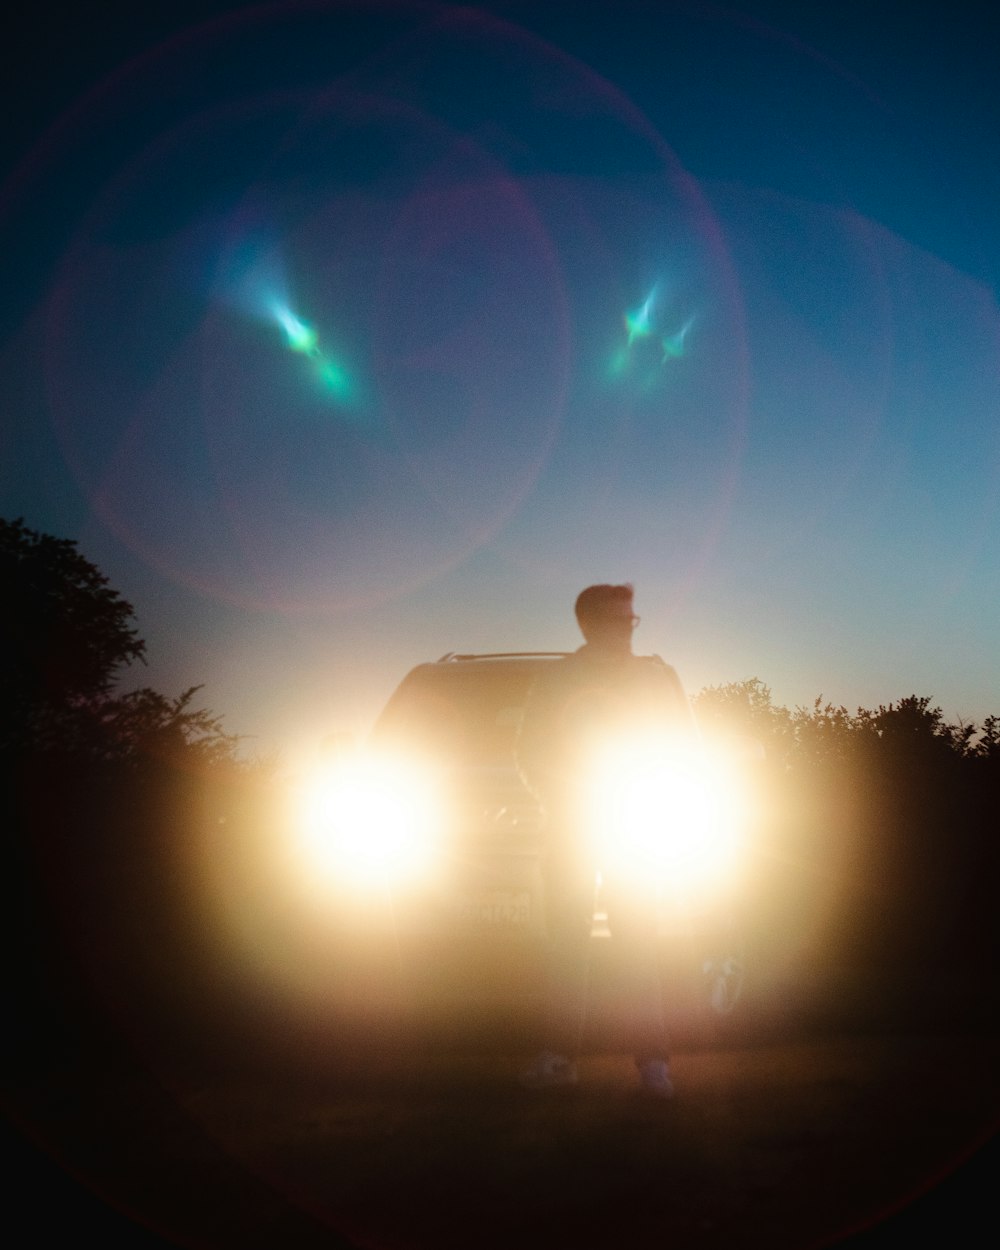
(499, 909)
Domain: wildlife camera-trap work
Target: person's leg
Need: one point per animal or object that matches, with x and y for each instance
(632, 918)
(569, 909)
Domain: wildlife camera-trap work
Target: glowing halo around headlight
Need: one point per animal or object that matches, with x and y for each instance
(660, 813)
(369, 820)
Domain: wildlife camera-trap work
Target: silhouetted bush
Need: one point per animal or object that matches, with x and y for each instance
(887, 819)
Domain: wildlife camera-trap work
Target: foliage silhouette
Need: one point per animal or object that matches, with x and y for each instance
(65, 638)
(881, 825)
(825, 731)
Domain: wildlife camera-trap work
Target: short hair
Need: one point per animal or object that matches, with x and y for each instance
(590, 603)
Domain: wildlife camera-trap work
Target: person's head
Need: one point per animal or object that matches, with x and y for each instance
(605, 616)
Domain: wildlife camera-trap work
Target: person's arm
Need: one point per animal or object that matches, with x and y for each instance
(679, 705)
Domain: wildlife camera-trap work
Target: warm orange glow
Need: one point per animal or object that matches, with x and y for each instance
(657, 810)
(369, 819)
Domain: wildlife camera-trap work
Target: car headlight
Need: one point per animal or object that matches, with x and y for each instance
(369, 820)
(656, 812)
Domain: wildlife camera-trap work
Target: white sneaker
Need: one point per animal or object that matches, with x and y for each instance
(548, 1070)
(654, 1075)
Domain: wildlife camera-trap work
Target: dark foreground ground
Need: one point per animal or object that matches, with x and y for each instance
(374, 1137)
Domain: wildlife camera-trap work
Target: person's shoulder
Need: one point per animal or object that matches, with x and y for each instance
(654, 663)
(657, 670)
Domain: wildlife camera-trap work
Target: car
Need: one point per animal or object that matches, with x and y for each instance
(433, 818)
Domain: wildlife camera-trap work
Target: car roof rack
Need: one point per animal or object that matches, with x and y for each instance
(450, 656)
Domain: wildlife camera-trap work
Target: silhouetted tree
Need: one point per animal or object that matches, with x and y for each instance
(65, 637)
(105, 799)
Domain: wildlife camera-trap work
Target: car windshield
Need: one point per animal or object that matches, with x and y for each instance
(465, 713)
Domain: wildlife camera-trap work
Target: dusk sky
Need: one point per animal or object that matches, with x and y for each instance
(344, 335)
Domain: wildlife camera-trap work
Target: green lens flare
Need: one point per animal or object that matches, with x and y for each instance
(334, 377)
(637, 356)
(673, 344)
(639, 324)
(300, 336)
(620, 362)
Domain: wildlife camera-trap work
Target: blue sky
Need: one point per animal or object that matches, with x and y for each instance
(700, 298)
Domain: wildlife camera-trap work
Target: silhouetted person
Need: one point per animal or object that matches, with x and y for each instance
(600, 695)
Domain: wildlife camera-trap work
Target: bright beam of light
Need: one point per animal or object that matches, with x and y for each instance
(366, 821)
(657, 811)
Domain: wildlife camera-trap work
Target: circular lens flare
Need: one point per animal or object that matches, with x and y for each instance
(656, 810)
(367, 820)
